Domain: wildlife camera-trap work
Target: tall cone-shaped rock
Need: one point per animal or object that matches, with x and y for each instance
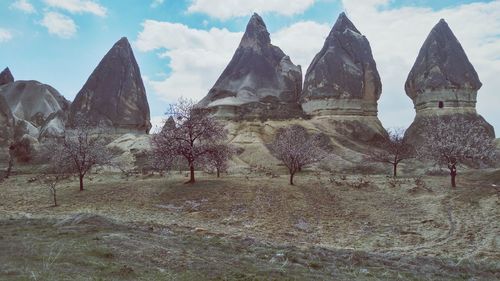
(6, 77)
(114, 95)
(342, 85)
(342, 78)
(441, 65)
(442, 81)
(259, 82)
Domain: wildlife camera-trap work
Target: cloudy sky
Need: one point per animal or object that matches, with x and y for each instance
(182, 46)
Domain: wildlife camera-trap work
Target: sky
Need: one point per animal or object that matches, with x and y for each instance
(182, 46)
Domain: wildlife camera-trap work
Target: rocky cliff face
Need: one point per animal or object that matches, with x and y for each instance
(259, 82)
(114, 95)
(38, 109)
(6, 77)
(442, 81)
(342, 78)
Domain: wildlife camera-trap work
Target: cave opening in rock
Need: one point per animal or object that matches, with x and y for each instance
(441, 104)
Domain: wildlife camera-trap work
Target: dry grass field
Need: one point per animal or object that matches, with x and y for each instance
(252, 227)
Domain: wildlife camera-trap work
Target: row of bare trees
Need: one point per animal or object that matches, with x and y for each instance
(453, 140)
(192, 137)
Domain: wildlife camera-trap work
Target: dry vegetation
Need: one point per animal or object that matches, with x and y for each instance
(251, 227)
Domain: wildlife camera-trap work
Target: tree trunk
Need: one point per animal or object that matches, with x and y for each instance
(54, 195)
(291, 178)
(11, 163)
(453, 174)
(191, 172)
(218, 173)
(395, 170)
(81, 182)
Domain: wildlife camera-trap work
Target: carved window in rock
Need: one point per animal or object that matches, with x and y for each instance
(440, 104)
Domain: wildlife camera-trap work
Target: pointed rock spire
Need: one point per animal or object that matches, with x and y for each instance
(260, 81)
(6, 77)
(114, 95)
(256, 32)
(342, 24)
(169, 124)
(345, 70)
(441, 65)
(442, 83)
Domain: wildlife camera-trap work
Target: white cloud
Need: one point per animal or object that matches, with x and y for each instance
(197, 57)
(396, 36)
(24, 6)
(5, 35)
(156, 3)
(311, 36)
(59, 24)
(78, 6)
(157, 123)
(226, 9)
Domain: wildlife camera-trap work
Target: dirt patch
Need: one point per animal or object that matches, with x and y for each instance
(44, 250)
(374, 215)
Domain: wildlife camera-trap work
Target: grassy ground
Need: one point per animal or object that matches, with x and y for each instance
(251, 227)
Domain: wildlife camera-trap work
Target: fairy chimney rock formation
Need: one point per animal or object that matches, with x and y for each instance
(114, 95)
(6, 77)
(342, 78)
(442, 81)
(259, 82)
(442, 76)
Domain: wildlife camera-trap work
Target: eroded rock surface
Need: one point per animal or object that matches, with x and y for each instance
(443, 82)
(114, 95)
(342, 78)
(34, 106)
(259, 82)
(6, 77)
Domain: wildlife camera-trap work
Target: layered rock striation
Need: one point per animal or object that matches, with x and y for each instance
(442, 81)
(38, 109)
(260, 81)
(114, 95)
(342, 78)
(342, 84)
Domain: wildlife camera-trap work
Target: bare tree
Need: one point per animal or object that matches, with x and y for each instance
(296, 148)
(83, 147)
(192, 138)
(56, 169)
(395, 148)
(451, 140)
(218, 157)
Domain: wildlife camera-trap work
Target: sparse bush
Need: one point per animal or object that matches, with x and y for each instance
(23, 150)
(361, 182)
